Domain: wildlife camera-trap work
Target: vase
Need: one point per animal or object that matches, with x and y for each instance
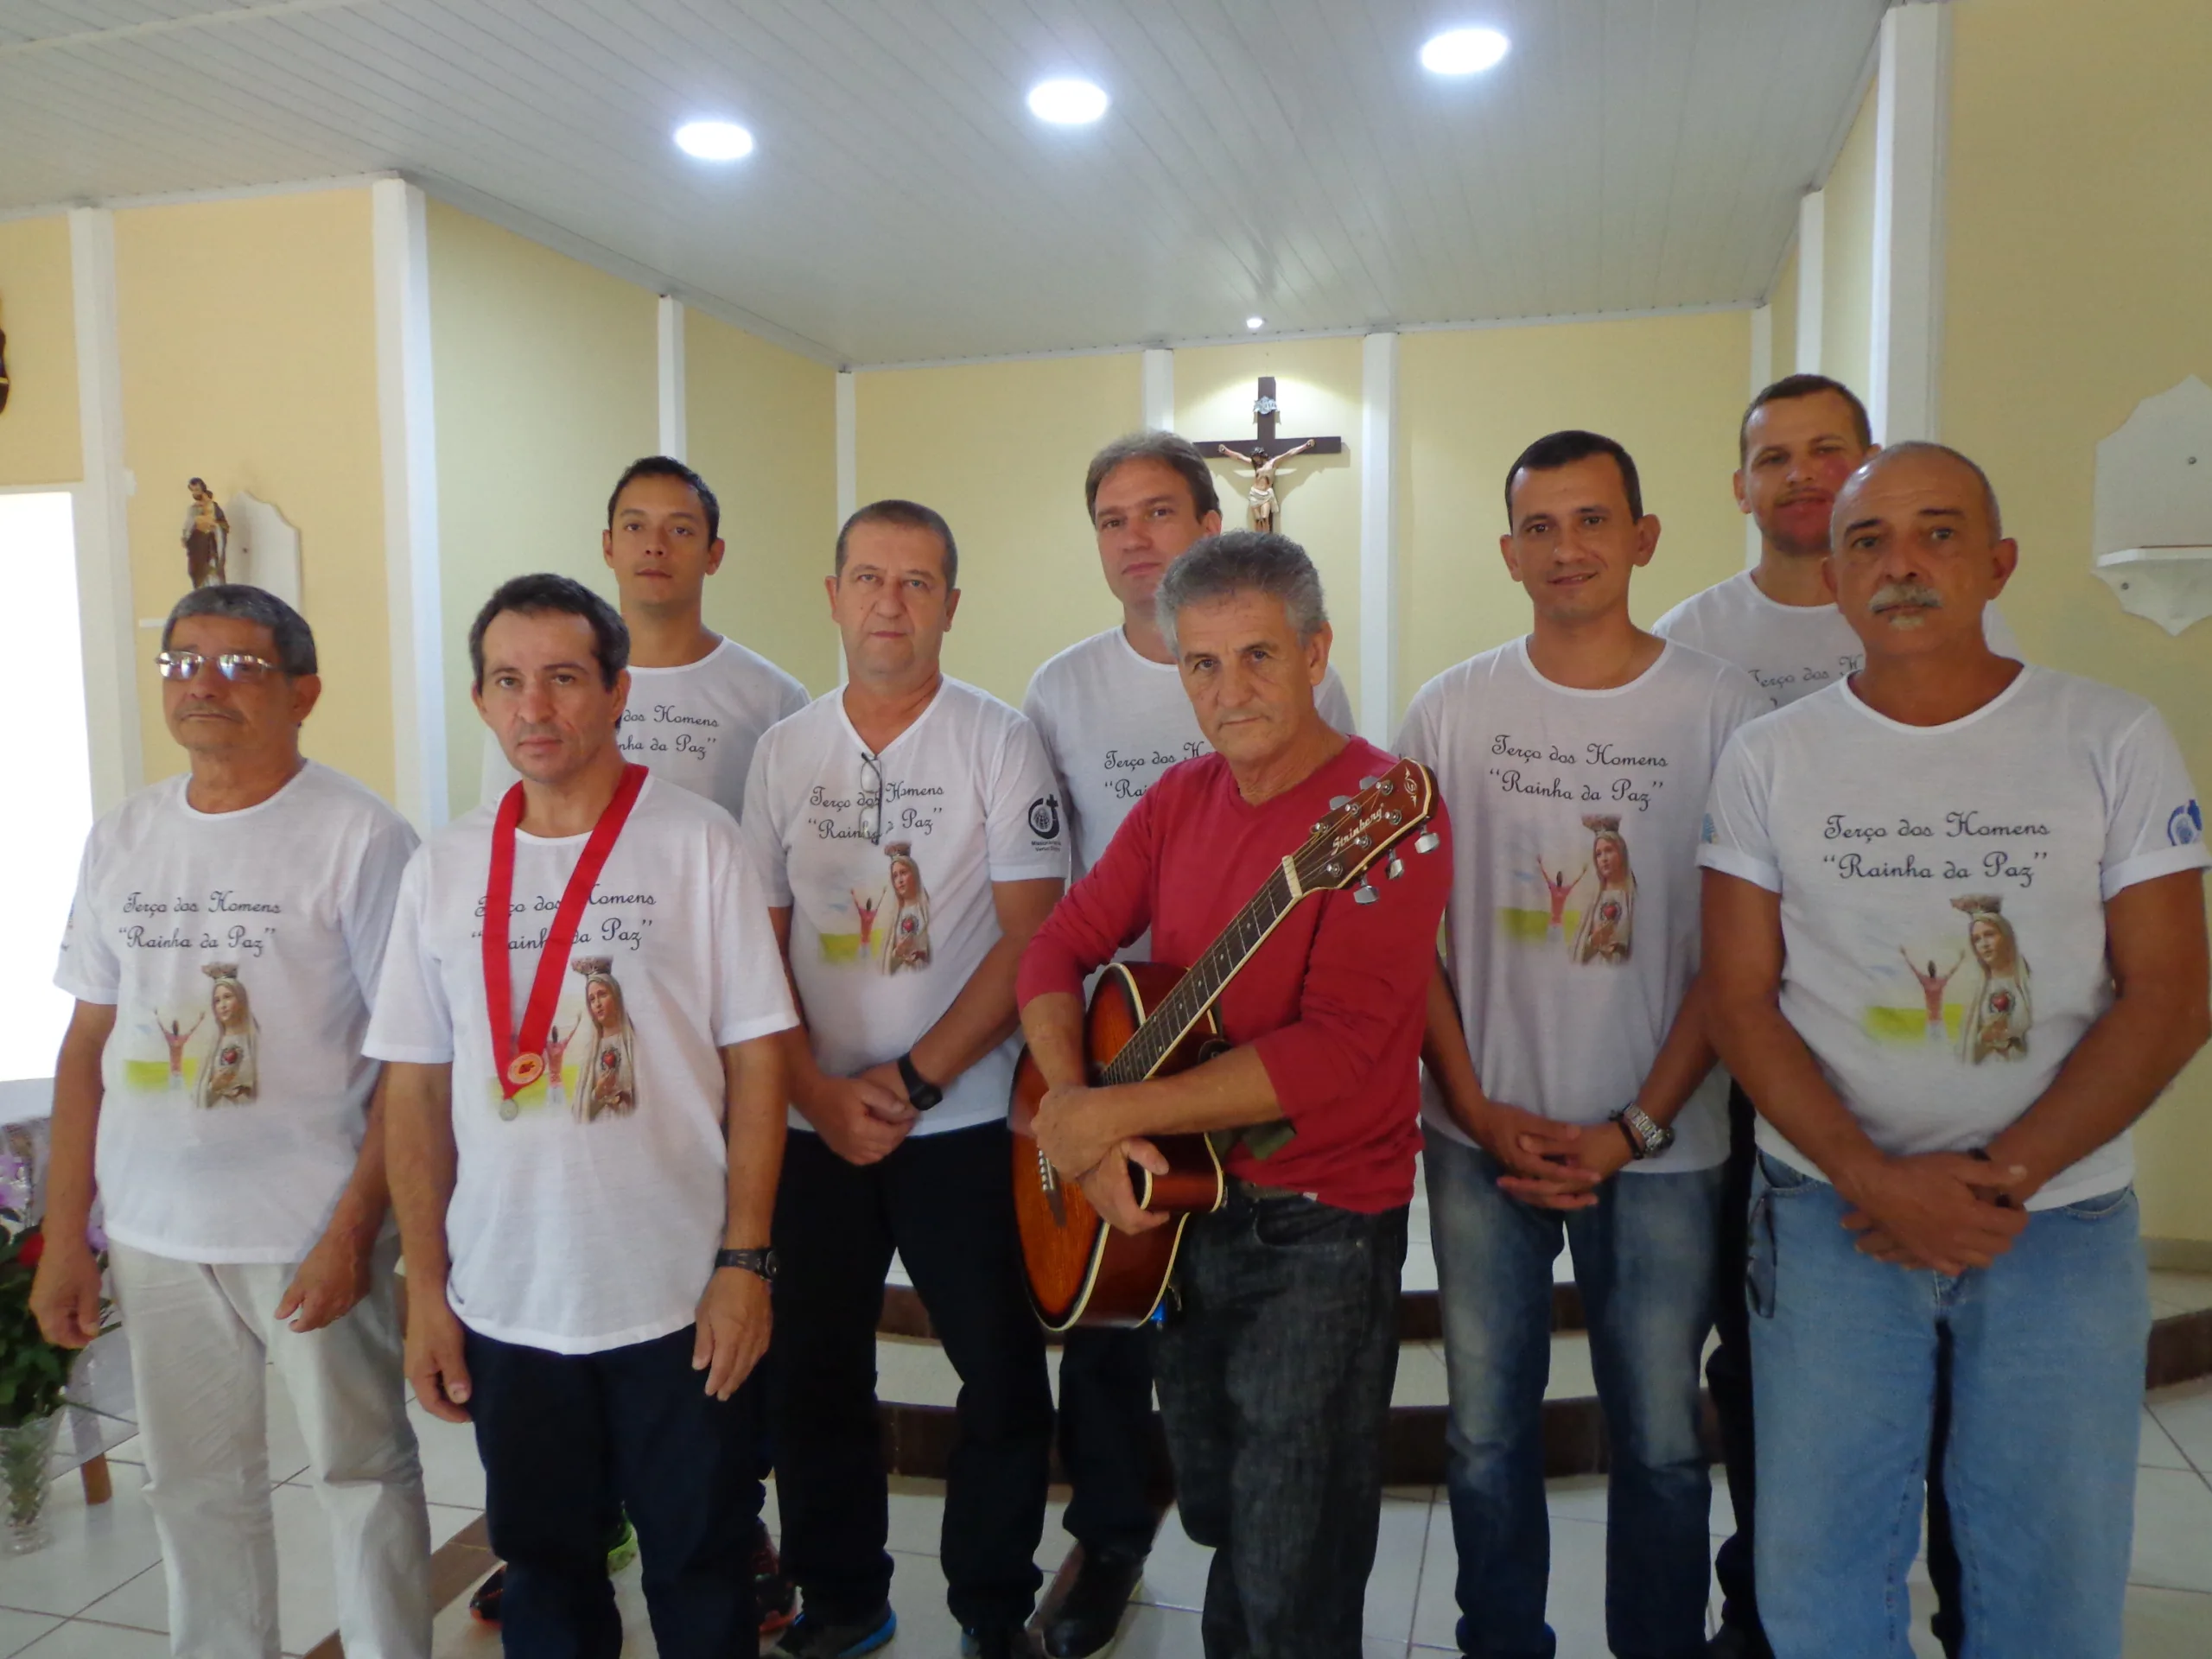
(26, 1449)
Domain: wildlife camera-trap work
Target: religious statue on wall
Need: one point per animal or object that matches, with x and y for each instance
(4, 370)
(207, 538)
(1266, 453)
(1260, 491)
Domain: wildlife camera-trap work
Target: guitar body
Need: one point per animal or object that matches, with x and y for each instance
(1080, 1271)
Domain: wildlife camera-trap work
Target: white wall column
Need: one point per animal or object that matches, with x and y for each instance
(1911, 123)
(1812, 274)
(848, 465)
(675, 424)
(1762, 378)
(104, 593)
(1378, 536)
(1158, 389)
(407, 424)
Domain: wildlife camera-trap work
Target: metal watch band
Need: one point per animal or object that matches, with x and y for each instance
(1646, 1137)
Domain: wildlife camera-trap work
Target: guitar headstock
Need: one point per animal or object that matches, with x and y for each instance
(1362, 829)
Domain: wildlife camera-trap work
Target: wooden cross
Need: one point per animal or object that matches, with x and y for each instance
(1261, 454)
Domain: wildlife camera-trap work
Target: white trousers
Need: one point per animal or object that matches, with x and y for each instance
(201, 1339)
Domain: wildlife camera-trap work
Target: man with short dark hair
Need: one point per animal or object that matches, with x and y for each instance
(905, 831)
(1570, 1095)
(579, 1013)
(1949, 1167)
(1274, 1372)
(699, 699)
(1113, 715)
(224, 950)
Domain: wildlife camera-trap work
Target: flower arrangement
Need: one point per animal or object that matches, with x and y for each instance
(32, 1371)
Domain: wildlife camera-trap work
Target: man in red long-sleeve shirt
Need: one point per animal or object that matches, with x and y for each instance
(1276, 1375)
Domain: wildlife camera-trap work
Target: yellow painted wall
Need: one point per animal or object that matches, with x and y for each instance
(1847, 235)
(762, 424)
(1671, 389)
(246, 333)
(545, 376)
(1783, 299)
(1000, 450)
(1318, 383)
(39, 437)
(2078, 233)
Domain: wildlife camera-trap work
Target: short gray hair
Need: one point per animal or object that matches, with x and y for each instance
(1910, 446)
(295, 640)
(1243, 562)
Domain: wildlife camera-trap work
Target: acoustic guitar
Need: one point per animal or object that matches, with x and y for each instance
(1146, 1019)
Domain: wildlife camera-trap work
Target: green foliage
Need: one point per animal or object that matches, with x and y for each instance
(32, 1371)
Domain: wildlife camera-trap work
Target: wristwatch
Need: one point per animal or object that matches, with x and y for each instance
(760, 1261)
(921, 1093)
(1646, 1138)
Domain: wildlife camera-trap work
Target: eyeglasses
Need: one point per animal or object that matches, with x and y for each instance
(233, 666)
(871, 798)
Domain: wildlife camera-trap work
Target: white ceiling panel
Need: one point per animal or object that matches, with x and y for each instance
(1284, 157)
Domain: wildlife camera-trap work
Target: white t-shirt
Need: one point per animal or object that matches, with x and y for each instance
(887, 863)
(588, 1209)
(1573, 931)
(1942, 895)
(240, 951)
(694, 725)
(1792, 651)
(1113, 722)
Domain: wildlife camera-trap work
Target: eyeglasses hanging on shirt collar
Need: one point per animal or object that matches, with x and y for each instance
(233, 666)
(871, 798)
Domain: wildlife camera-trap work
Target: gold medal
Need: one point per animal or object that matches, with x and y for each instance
(526, 1068)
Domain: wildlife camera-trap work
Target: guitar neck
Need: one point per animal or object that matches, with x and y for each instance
(1195, 992)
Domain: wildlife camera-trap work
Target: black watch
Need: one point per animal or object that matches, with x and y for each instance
(921, 1093)
(760, 1261)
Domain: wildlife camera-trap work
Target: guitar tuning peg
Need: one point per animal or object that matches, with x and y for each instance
(1368, 783)
(1397, 867)
(1429, 841)
(1365, 895)
(1338, 802)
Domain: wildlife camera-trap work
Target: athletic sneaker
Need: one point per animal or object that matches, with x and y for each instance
(774, 1597)
(484, 1605)
(812, 1636)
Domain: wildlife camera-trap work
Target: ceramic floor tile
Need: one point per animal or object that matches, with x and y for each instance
(2185, 1412)
(1723, 1524)
(2173, 1530)
(1421, 1380)
(914, 1372)
(143, 1604)
(95, 1550)
(2156, 1448)
(1400, 1547)
(1175, 1572)
(451, 1473)
(1172, 1633)
(2166, 1623)
(18, 1631)
(1576, 1497)
(455, 1634)
(1571, 1377)
(926, 1627)
(81, 1639)
(447, 1519)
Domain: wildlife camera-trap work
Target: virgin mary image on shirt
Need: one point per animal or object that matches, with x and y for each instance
(1997, 1019)
(902, 920)
(1608, 925)
(230, 1075)
(609, 1084)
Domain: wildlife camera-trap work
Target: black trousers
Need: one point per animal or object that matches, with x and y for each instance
(945, 1202)
(567, 1438)
(1106, 1438)
(1728, 1376)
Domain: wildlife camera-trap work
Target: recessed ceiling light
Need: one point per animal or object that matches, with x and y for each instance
(1256, 322)
(1067, 103)
(1464, 51)
(714, 141)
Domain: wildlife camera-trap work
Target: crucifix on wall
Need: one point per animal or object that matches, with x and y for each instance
(1264, 454)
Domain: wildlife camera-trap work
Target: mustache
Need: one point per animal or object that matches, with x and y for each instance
(1892, 596)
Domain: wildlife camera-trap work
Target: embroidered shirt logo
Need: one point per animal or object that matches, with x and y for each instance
(1044, 816)
(2184, 828)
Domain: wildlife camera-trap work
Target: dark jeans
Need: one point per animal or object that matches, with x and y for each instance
(1728, 1376)
(1106, 1438)
(945, 1202)
(1275, 1382)
(567, 1438)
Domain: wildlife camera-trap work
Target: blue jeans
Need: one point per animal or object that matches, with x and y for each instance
(1275, 1379)
(1644, 1258)
(2046, 1395)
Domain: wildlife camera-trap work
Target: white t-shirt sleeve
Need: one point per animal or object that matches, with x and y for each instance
(89, 968)
(364, 915)
(752, 996)
(763, 835)
(496, 776)
(1028, 840)
(1417, 738)
(795, 698)
(1735, 838)
(1335, 702)
(2154, 825)
(411, 1021)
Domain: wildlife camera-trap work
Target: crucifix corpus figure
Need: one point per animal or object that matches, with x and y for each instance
(1266, 452)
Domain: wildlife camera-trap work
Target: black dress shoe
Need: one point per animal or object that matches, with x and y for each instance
(1089, 1615)
(1737, 1642)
